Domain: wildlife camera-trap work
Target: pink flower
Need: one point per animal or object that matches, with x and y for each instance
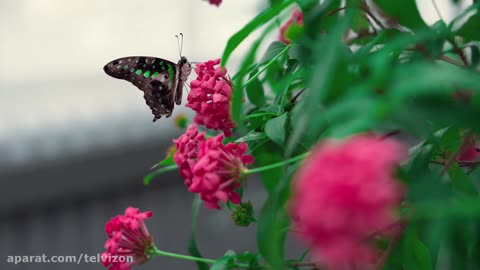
(470, 152)
(215, 2)
(129, 241)
(218, 171)
(344, 193)
(186, 155)
(286, 31)
(210, 97)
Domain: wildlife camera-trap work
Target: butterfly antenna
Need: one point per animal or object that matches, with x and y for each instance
(178, 43)
(181, 47)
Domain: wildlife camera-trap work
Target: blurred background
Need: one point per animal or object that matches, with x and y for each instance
(75, 143)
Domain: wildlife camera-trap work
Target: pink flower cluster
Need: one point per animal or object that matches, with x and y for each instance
(186, 154)
(210, 97)
(295, 20)
(211, 168)
(128, 238)
(344, 193)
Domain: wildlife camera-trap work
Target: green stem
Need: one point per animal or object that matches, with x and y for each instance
(267, 65)
(276, 165)
(158, 252)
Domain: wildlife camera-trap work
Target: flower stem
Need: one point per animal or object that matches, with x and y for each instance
(158, 252)
(276, 165)
(267, 65)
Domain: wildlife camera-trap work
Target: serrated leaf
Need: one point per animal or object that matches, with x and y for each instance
(275, 129)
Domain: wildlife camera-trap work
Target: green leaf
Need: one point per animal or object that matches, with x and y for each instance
(416, 254)
(267, 154)
(192, 245)
(275, 129)
(248, 61)
(360, 21)
(273, 225)
(470, 29)
(252, 136)
(147, 179)
(255, 92)
(460, 181)
(405, 12)
(322, 81)
(251, 26)
(224, 263)
(273, 50)
(166, 161)
(435, 79)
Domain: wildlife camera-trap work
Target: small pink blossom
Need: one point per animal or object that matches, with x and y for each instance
(344, 193)
(215, 2)
(218, 171)
(295, 20)
(129, 241)
(210, 97)
(186, 155)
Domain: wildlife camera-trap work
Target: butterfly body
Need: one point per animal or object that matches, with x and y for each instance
(160, 80)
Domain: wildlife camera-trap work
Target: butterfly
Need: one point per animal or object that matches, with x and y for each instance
(160, 80)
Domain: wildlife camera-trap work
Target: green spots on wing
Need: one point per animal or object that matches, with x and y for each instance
(139, 71)
(170, 76)
(146, 74)
(155, 74)
(132, 70)
(125, 67)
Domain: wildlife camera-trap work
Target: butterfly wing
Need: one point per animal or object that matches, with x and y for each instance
(156, 77)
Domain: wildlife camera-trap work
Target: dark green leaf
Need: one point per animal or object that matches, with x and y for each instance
(275, 129)
(405, 12)
(267, 154)
(327, 55)
(416, 254)
(255, 92)
(470, 29)
(460, 181)
(360, 23)
(273, 226)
